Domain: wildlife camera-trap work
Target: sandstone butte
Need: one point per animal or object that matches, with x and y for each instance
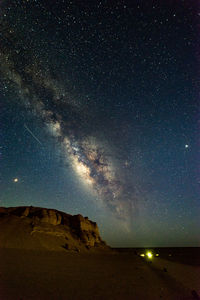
(49, 229)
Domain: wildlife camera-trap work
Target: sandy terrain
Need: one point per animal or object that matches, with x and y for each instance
(27, 274)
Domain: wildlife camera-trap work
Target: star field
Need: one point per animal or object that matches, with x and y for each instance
(99, 110)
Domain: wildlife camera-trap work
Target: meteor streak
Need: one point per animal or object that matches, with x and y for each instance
(32, 134)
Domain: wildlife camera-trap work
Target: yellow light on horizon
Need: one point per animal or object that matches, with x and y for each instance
(142, 254)
(149, 254)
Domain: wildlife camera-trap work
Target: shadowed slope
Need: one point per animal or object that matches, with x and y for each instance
(37, 228)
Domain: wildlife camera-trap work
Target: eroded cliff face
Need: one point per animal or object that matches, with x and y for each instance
(35, 227)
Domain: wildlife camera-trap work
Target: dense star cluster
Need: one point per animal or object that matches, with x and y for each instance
(99, 101)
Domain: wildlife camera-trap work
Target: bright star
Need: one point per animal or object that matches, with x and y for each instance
(186, 146)
(15, 179)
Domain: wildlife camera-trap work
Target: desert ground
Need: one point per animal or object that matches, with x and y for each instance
(116, 274)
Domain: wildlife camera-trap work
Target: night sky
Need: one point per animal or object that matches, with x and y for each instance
(99, 112)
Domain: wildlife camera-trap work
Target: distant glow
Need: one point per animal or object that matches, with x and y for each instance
(149, 254)
(142, 254)
(15, 179)
(157, 254)
(83, 171)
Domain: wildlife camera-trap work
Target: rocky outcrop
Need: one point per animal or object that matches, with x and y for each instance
(35, 227)
(87, 230)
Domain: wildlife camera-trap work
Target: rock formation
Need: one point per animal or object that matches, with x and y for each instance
(41, 228)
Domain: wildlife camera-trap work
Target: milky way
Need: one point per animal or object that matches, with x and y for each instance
(99, 110)
(69, 123)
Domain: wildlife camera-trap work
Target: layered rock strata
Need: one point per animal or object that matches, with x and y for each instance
(35, 228)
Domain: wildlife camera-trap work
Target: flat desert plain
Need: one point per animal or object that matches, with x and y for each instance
(116, 274)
